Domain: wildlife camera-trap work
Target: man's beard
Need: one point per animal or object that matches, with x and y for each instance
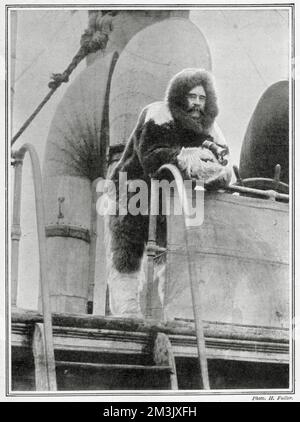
(196, 113)
(182, 114)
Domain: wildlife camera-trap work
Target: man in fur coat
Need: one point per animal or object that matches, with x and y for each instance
(180, 130)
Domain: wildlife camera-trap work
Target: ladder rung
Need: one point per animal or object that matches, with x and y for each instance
(85, 365)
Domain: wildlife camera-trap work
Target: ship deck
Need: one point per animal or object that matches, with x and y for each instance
(90, 339)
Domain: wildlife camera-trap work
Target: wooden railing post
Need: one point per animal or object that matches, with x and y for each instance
(151, 249)
(93, 247)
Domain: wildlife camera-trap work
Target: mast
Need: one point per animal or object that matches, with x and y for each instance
(13, 58)
(16, 230)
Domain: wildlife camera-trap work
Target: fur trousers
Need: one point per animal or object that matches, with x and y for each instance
(126, 266)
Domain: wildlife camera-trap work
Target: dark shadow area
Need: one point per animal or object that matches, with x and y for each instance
(227, 374)
(223, 374)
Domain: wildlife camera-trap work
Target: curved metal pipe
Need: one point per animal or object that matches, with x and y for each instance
(16, 229)
(40, 215)
(195, 287)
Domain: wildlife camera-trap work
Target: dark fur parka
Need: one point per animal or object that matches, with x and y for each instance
(163, 128)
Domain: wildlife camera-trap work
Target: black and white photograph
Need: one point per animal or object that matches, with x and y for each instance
(150, 201)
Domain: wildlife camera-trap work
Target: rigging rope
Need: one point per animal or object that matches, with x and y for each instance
(93, 39)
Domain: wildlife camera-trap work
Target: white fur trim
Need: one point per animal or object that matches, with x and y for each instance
(217, 134)
(159, 112)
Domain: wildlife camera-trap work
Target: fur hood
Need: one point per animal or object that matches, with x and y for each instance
(176, 93)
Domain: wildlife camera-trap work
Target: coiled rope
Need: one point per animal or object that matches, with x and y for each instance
(93, 39)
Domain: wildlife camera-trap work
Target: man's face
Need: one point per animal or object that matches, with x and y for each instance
(196, 99)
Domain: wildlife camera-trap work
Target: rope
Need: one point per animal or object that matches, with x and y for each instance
(92, 40)
(30, 119)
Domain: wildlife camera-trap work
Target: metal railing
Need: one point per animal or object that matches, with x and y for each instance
(18, 157)
(261, 187)
(196, 288)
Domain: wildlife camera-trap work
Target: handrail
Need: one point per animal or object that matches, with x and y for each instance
(267, 194)
(40, 215)
(270, 185)
(196, 298)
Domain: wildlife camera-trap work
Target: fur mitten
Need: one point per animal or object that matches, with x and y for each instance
(201, 163)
